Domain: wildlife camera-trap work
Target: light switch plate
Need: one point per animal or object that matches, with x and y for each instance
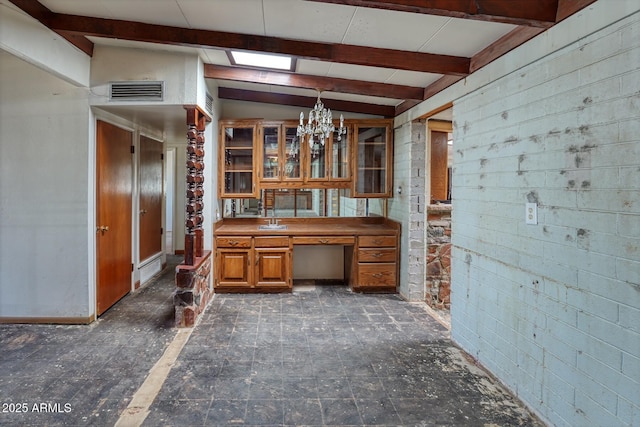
(531, 213)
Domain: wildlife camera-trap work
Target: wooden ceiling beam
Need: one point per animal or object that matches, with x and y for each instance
(42, 14)
(533, 13)
(305, 101)
(331, 84)
(341, 53)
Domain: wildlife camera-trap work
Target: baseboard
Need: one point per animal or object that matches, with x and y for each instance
(49, 320)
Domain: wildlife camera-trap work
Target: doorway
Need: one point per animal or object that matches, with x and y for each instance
(439, 210)
(114, 189)
(169, 185)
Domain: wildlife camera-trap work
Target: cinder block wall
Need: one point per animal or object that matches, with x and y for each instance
(553, 309)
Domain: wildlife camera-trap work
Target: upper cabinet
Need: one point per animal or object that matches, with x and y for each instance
(237, 159)
(359, 160)
(372, 159)
(280, 155)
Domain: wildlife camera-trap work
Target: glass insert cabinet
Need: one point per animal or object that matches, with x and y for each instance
(258, 155)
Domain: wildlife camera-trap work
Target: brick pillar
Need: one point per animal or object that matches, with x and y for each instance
(417, 213)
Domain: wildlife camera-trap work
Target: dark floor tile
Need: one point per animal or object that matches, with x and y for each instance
(340, 412)
(302, 412)
(300, 388)
(335, 388)
(231, 388)
(265, 412)
(266, 388)
(378, 411)
(178, 412)
(227, 412)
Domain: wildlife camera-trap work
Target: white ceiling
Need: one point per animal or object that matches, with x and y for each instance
(309, 21)
(302, 20)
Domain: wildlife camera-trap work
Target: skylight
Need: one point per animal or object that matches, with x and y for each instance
(262, 60)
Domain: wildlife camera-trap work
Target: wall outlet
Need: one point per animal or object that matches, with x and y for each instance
(531, 213)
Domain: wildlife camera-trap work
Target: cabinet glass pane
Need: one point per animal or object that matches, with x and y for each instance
(340, 156)
(372, 160)
(317, 163)
(291, 154)
(238, 182)
(238, 160)
(270, 155)
(238, 137)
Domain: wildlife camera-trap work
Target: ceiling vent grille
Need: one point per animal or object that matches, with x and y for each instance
(209, 104)
(137, 91)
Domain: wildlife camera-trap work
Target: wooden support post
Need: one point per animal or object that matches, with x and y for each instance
(194, 235)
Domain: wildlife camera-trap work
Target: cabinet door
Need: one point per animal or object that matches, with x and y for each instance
(272, 267)
(341, 156)
(237, 160)
(269, 148)
(292, 156)
(234, 267)
(372, 160)
(316, 160)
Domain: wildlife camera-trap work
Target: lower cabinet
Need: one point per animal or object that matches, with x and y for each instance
(260, 264)
(234, 268)
(377, 264)
(272, 268)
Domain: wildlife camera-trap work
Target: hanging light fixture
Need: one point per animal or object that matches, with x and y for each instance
(319, 126)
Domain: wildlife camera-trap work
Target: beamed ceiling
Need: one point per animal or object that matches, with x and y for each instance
(376, 57)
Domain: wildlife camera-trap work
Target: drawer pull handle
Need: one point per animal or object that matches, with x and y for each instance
(377, 275)
(233, 242)
(377, 241)
(323, 241)
(377, 255)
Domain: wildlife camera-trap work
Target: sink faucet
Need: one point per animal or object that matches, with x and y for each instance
(273, 220)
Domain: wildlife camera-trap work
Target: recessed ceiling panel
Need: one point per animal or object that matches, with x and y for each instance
(307, 20)
(465, 37)
(391, 29)
(236, 16)
(412, 78)
(359, 72)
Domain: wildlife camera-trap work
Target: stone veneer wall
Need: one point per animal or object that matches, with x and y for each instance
(438, 275)
(193, 290)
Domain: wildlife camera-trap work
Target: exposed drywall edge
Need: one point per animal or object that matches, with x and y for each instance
(30, 41)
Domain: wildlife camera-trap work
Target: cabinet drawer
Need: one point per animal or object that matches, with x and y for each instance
(377, 241)
(324, 240)
(271, 242)
(377, 274)
(377, 255)
(233, 242)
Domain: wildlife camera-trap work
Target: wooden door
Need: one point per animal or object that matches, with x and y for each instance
(114, 185)
(439, 160)
(150, 197)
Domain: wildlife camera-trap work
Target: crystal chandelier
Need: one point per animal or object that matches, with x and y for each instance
(319, 126)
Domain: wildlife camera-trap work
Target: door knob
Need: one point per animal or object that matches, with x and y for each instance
(102, 228)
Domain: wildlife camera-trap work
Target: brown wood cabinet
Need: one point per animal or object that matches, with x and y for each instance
(247, 263)
(256, 155)
(377, 264)
(249, 259)
(372, 159)
(237, 159)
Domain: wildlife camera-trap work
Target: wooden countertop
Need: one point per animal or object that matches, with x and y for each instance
(322, 226)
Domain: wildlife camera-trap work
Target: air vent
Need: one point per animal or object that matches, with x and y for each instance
(137, 91)
(209, 104)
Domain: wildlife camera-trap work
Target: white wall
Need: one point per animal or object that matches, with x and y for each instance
(44, 204)
(553, 309)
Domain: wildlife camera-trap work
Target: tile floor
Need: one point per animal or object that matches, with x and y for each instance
(319, 356)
